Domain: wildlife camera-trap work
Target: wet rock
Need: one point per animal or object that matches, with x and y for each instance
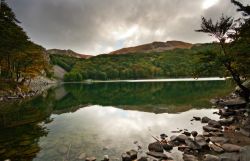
(186, 133)
(245, 132)
(181, 138)
(226, 113)
(210, 129)
(231, 147)
(132, 154)
(196, 118)
(167, 147)
(82, 156)
(201, 141)
(194, 133)
(215, 124)
(173, 138)
(205, 119)
(126, 157)
(187, 157)
(216, 148)
(163, 136)
(230, 157)
(90, 159)
(209, 157)
(226, 122)
(219, 140)
(192, 144)
(155, 147)
(157, 155)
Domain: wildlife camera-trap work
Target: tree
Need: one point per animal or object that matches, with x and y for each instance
(225, 32)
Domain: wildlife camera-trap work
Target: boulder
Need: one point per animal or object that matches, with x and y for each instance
(210, 129)
(205, 119)
(219, 140)
(126, 157)
(132, 154)
(187, 157)
(213, 123)
(201, 141)
(231, 147)
(155, 147)
(234, 103)
(216, 148)
(157, 155)
(230, 157)
(245, 132)
(192, 144)
(186, 133)
(209, 157)
(226, 122)
(180, 138)
(167, 147)
(194, 133)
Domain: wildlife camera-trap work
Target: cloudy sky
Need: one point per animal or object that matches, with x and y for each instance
(100, 26)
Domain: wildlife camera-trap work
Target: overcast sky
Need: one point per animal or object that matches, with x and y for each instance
(100, 26)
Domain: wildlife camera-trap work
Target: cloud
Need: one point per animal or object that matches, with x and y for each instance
(99, 26)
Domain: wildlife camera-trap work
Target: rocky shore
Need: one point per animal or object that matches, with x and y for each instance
(36, 87)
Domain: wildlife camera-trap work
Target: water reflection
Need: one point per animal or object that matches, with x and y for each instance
(101, 118)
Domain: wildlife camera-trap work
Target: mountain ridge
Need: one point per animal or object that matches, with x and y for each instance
(68, 52)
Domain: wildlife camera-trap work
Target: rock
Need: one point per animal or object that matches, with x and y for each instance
(226, 122)
(230, 157)
(201, 141)
(143, 159)
(155, 147)
(173, 138)
(245, 132)
(82, 156)
(231, 147)
(234, 103)
(209, 129)
(209, 157)
(205, 119)
(187, 157)
(163, 136)
(215, 124)
(90, 159)
(157, 155)
(167, 147)
(216, 148)
(196, 118)
(219, 140)
(132, 154)
(194, 133)
(244, 153)
(181, 138)
(192, 144)
(186, 133)
(126, 157)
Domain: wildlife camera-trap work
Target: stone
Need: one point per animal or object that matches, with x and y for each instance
(194, 133)
(245, 132)
(90, 159)
(126, 157)
(192, 144)
(173, 138)
(187, 157)
(230, 157)
(226, 122)
(163, 136)
(213, 123)
(157, 155)
(244, 153)
(181, 138)
(209, 157)
(155, 147)
(216, 148)
(234, 103)
(132, 154)
(167, 147)
(82, 156)
(186, 133)
(143, 159)
(205, 119)
(196, 118)
(210, 129)
(219, 140)
(231, 147)
(105, 158)
(201, 141)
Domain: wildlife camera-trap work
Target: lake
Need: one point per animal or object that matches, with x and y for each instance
(105, 118)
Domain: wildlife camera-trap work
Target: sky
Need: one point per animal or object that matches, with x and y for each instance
(101, 26)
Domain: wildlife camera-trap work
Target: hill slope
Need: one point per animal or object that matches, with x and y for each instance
(69, 53)
(154, 47)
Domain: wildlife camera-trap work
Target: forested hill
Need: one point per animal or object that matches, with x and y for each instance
(168, 64)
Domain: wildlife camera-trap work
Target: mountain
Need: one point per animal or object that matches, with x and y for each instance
(69, 53)
(154, 47)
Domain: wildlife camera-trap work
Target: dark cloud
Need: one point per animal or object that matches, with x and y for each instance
(98, 26)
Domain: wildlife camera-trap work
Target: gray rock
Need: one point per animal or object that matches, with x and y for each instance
(157, 155)
(220, 140)
(244, 153)
(216, 148)
(215, 124)
(132, 154)
(196, 118)
(210, 129)
(187, 157)
(231, 147)
(192, 144)
(209, 157)
(194, 133)
(90, 159)
(230, 157)
(226, 122)
(173, 138)
(126, 157)
(201, 141)
(245, 132)
(205, 119)
(181, 138)
(167, 147)
(155, 147)
(143, 159)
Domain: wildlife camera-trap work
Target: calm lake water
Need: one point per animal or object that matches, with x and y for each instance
(102, 118)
